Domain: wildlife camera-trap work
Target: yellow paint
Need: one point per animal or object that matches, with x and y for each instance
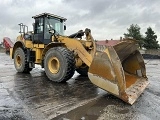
(88, 43)
(39, 54)
(53, 65)
(11, 52)
(107, 52)
(79, 62)
(28, 44)
(130, 80)
(18, 61)
(38, 45)
(104, 84)
(77, 46)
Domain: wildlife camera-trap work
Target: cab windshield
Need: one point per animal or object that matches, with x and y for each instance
(56, 24)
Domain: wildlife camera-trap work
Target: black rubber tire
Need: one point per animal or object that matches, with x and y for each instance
(83, 71)
(66, 64)
(24, 67)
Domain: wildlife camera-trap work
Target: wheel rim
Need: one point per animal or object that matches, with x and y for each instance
(53, 65)
(18, 61)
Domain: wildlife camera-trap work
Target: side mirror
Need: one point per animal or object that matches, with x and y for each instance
(64, 27)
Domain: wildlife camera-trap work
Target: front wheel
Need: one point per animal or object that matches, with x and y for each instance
(59, 64)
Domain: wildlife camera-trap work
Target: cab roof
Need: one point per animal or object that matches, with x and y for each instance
(48, 14)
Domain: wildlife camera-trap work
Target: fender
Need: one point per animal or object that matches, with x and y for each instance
(16, 45)
(50, 45)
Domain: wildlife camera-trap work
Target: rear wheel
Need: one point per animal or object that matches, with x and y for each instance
(59, 64)
(20, 61)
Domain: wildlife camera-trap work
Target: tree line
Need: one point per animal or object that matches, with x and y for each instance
(149, 41)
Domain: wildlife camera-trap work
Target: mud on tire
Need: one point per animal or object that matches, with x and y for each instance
(59, 64)
(20, 61)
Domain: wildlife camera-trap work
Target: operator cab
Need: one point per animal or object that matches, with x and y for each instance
(46, 25)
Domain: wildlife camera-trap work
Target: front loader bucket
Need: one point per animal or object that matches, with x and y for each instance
(119, 69)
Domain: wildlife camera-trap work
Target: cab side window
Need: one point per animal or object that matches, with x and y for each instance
(39, 25)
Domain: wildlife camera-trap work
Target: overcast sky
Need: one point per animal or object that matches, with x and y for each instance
(106, 18)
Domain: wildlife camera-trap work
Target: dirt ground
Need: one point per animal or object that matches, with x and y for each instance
(33, 97)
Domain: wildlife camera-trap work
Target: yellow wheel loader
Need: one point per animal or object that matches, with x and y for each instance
(115, 66)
